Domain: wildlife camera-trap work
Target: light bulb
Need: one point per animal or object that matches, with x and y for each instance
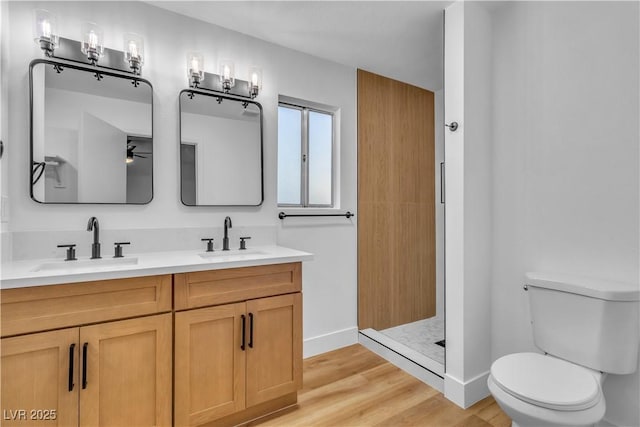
(44, 31)
(255, 81)
(133, 51)
(195, 68)
(92, 42)
(227, 78)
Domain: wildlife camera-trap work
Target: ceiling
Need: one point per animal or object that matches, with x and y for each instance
(398, 39)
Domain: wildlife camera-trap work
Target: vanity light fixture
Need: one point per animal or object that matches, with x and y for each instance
(227, 75)
(223, 83)
(254, 84)
(195, 68)
(92, 42)
(44, 31)
(133, 51)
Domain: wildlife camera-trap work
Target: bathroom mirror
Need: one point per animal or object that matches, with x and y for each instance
(220, 150)
(91, 135)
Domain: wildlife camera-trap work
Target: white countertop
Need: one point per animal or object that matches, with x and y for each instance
(21, 274)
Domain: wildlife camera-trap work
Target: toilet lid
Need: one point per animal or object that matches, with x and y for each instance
(546, 381)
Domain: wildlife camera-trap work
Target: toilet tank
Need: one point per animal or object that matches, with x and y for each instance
(594, 323)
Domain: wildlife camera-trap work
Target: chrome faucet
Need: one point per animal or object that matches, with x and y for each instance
(225, 240)
(95, 227)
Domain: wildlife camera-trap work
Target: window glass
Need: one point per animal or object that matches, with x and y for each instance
(289, 155)
(320, 157)
(305, 155)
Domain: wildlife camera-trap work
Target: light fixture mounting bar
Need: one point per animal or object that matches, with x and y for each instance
(211, 82)
(70, 50)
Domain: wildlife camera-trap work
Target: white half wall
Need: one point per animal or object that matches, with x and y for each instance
(468, 202)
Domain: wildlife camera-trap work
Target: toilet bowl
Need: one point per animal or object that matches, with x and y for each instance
(543, 391)
(587, 328)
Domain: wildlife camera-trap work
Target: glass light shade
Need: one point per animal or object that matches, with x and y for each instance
(195, 68)
(133, 47)
(254, 81)
(227, 74)
(45, 30)
(92, 41)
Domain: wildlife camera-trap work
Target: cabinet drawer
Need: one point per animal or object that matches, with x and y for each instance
(42, 308)
(204, 288)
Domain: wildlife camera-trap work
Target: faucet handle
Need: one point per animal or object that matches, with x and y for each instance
(118, 249)
(243, 244)
(209, 244)
(71, 252)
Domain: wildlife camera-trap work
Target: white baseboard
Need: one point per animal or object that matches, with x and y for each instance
(328, 342)
(421, 373)
(465, 394)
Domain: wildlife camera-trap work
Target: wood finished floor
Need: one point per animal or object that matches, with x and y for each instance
(354, 387)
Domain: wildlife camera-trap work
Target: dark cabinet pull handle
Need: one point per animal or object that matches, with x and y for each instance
(250, 330)
(244, 330)
(72, 352)
(84, 365)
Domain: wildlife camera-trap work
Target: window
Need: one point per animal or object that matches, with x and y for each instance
(305, 155)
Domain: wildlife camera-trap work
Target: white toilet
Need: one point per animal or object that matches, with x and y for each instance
(587, 328)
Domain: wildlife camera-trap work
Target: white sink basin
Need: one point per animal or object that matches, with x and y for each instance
(232, 254)
(86, 264)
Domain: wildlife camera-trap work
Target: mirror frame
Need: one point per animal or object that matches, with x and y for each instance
(215, 94)
(91, 69)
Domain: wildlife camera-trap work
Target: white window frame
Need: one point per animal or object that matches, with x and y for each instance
(305, 107)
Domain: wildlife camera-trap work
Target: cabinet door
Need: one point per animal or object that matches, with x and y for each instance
(40, 379)
(274, 354)
(128, 373)
(209, 364)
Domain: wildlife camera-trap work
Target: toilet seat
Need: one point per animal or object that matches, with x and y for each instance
(546, 381)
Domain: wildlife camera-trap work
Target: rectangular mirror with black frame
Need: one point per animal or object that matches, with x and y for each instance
(220, 150)
(91, 135)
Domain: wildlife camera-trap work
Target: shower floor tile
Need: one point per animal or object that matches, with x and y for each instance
(421, 336)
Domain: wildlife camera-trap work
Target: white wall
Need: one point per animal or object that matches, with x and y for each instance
(329, 280)
(468, 209)
(133, 118)
(477, 190)
(100, 168)
(38, 107)
(101, 171)
(226, 150)
(565, 159)
(454, 213)
(4, 102)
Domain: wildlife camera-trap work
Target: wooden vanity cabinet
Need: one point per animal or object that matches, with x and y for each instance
(128, 374)
(93, 373)
(239, 360)
(274, 350)
(35, 377)
(104, 353)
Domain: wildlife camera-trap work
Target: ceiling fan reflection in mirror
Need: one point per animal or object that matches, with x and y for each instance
(131, 155)
(138, 146)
